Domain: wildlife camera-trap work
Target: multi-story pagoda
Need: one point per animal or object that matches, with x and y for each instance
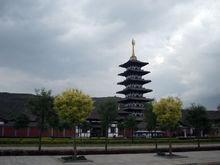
(134, 100)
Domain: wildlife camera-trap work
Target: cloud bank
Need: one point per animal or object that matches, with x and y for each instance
(69, 44)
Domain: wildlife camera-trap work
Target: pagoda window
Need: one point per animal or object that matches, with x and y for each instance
(134, 68)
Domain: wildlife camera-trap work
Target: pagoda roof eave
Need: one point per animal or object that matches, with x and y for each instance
(131, 80)
(132, 71)
(128, 90)
(133, 62)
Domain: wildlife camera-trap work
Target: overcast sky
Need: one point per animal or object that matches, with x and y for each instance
(79, 44)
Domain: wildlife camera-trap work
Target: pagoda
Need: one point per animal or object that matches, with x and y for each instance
(134, 100)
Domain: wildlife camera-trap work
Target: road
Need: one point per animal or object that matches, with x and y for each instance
(187, 158)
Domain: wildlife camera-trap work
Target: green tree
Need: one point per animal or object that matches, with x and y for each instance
(168, 112)
(21, 121)
(41, 106)
(198, 119)
(121, 127)
(150, 117)
(130, 123)
(73, 106)
(151, 120)
(108, 114)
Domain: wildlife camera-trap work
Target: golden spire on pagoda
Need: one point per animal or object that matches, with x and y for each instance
(133, 57)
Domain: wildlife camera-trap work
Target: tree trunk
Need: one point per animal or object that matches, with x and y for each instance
(28, 131)
(52, 132)
(170, 144)
(41, 128)
(3, 130)
(80, 133)
(198, 139)
(156, 145)
(198, 143)
(132, 136)
(106, 138)
(15, 132)
(64, 132)
(40, 137)
(74, 143)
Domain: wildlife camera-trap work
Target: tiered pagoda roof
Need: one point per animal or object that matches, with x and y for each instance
(133, 71)
(132, 61)
(134, 90)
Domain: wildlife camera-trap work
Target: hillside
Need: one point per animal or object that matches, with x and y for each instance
(12, 104)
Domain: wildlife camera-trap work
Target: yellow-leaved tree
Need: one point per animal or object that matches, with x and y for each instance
(73, 106)
(168, 112)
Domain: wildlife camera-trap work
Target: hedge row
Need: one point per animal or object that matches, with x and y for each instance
(99, 140)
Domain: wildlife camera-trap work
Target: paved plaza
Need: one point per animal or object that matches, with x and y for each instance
(202, 157)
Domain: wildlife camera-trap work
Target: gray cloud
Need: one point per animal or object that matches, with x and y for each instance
(62, 44)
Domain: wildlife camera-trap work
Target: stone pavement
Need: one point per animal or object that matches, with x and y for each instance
(123, 159)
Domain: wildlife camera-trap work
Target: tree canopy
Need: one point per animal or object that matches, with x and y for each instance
(107, 111)
(73, 106)
(197, 117)
(41, 106)
(130, 122)
(150, 117)
(21, 121)
(168, 112)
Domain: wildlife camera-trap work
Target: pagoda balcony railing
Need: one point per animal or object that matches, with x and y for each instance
(134, 86)
(133, 98)
(136, 114)
(134, 106)
(134, 68)
(134, 95)
(134, 77)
